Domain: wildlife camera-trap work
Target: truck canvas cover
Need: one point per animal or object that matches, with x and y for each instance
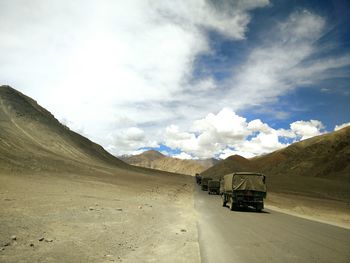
(244, 181)
(214, 183)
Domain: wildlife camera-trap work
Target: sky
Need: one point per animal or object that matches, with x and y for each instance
(192, 79)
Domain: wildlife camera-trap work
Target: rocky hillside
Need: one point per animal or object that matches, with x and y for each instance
(232, 163)
(156, 160)
(324, 156)
(31, 139)
(318, 167)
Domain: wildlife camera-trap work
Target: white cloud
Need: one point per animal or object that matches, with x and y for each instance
(129, 140)
(341, 126)
(97, 63)
(121, 71)
(285, 61)
(228, 152)
(307, 129)
(226, 133)
(183, 156)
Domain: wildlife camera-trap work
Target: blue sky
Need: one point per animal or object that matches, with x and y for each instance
(194, 79)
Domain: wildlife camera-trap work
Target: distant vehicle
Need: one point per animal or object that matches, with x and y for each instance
(244, 189)
(214, 187)
(204, 183)
(198, 179)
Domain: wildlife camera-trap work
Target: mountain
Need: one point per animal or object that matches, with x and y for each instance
(31, 139)
(324, 156)
(232, 163)
(156, 160)
(144, 159)
(207, 163)
(318, 167)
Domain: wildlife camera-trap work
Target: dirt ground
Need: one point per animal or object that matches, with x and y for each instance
(323, 210)
(77, 218)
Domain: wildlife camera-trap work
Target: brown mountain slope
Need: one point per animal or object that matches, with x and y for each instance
(324, 156)
(32, 139)
(232, 163)
(144, 159)
(318, 167)
(155, 160)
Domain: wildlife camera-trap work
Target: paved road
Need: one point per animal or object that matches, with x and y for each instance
(228, 236)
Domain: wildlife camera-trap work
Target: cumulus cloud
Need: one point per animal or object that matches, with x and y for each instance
(122, 71)
(227, 133)
(183, 156)
(96, 63)
(129, 140)
(341, 126)
(307, 129)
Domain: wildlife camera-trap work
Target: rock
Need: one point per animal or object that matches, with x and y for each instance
(7, 244)
(91, 208)
(13, 237)
(41, 239)
(119, 209)
(48, 240)
(2, 249)
(140, 207)
(31, 244)
(183, 230)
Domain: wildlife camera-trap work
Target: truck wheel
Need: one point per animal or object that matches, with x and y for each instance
(224, 201)
(258, 208)
(233, 206)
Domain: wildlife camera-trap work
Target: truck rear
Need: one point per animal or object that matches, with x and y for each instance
(244, 189)
(204, 183)
(214, 187)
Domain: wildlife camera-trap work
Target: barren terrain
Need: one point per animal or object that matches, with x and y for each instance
(155, 160)
(109, 217)
(64, 198)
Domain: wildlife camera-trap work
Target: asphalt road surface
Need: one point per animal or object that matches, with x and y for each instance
(247, 236)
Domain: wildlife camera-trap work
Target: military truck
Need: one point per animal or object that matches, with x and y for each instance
(214, 187)
(244, 189)
(204, 183)
(198, 179)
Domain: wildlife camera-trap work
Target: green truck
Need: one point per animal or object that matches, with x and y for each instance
(244, 189)
(214, 187)
(204, 183)
(198, 179)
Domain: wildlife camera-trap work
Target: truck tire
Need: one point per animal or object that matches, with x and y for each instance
(224, 201)
(258, 208)
(233, 206)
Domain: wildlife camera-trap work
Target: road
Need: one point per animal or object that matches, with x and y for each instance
(247, 236)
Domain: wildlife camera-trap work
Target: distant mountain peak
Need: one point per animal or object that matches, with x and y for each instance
(153, 153)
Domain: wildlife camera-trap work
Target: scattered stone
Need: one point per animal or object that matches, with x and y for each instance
(119, 209)
(31, 244)
(48, 240)
(7, 244)
(13, 237)
(41, 239)
(140, 206)
(91, 208)
(2, 249)
(183, 230)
